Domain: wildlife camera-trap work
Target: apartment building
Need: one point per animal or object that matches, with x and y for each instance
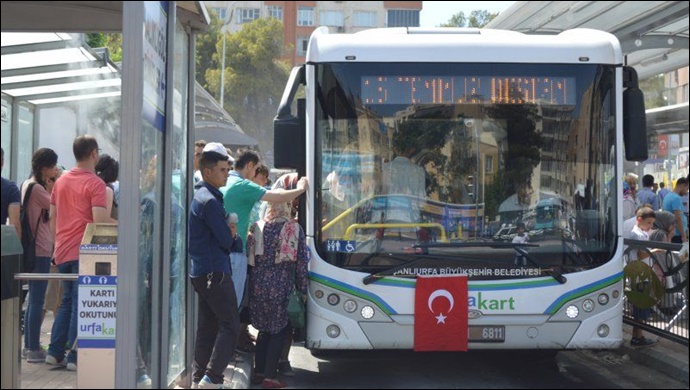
(301, 18)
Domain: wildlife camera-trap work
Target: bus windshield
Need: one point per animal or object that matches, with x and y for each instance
(412, 154)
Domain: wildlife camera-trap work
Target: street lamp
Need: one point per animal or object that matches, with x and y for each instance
(222, 66)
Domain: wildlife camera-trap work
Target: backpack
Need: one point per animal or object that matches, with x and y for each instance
(28, 237)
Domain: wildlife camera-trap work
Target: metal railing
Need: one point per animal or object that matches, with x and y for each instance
(669, 317)
(37, 276)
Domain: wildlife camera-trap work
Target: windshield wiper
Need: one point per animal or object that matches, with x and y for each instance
(519, 248)
(380, 275)
(554, 274)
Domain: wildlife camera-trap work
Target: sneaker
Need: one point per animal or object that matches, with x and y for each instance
(25, 351)
(642, 342)
(53, 361)
(71, 366)
(144, 382)
(195, 385)
(206, 383)
(37, 356)
(284, 368)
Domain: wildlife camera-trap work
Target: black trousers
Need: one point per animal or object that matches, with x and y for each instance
(218, 326)
(269, 348)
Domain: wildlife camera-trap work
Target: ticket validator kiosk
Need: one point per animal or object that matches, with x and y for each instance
(97, 307)
(11, 312)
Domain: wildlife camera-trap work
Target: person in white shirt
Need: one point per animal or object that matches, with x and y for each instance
(645, 222)
(521, 237)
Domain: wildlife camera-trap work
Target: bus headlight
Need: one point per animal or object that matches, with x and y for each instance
(333, 299)
(318, 294)
(367, 312)
(350, 306)
(588, 305)
(603, 299)
(603, 330)
(333, 331)
(572, 311)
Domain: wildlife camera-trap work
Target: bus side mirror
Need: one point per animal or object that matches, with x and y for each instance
(289, 136)
(289, 140)
(634, 118)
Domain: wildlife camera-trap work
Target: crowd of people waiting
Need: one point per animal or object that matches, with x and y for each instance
(653, 215)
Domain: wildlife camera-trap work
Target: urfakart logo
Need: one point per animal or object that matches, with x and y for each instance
(96, 329)
(480, 303)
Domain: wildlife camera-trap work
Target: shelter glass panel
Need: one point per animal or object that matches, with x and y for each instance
(178, 212)
(6, 135)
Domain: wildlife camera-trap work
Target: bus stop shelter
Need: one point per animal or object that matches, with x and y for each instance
(54, 86)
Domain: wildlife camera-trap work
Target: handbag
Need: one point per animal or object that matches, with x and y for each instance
(28, 238)
(295, 309)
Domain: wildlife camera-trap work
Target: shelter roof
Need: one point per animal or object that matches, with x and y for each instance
(653, 34)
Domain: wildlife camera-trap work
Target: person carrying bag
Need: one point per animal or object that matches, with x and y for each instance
(279, 282)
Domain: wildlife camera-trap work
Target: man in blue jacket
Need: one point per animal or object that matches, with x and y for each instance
(209, 248)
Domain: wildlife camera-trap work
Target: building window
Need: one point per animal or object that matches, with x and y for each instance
(275, 12)
(302, 44)
(222, 12)
(246, 15)
(364, 19)
(403, 18)
(489, 164)
(331, 18)
(305, 16)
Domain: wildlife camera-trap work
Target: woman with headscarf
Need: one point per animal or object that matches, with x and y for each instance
(278, 250)
(663, 228)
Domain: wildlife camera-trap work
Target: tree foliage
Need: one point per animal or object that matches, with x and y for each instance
(653, 89)
(255, 76)
(206, 55)
(477, 18)
(111, 41)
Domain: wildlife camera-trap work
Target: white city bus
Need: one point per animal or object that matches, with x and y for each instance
(413, 139)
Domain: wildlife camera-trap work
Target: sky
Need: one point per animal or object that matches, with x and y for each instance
(437, 12)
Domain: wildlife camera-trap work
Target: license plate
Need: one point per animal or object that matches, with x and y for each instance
(487, 333)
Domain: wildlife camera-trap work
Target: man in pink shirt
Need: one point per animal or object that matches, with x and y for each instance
(78, 199)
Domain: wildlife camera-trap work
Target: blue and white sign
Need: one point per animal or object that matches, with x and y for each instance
(155, 59)
(346, 246)
(97, 311)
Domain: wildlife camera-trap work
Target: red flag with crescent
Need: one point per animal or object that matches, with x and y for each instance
(663, 146)
(440, 313)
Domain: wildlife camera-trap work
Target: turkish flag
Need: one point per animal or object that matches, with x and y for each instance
(440, 313)
(663, 145)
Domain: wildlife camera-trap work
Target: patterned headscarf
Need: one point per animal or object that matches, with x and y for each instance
(288, 237)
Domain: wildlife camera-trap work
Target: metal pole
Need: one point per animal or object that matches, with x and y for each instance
(228, 18)
(476, 186)
(222, 72)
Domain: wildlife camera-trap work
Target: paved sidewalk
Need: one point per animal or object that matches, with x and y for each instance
(43, 376)
(665, 356)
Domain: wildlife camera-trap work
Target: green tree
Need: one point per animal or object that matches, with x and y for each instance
(653, 88)
(206, 55)
(477, 18)
(255, 76)
(111, 41)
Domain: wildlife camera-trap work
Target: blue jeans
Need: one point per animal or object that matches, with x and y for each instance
(64, 331)
(238, 263)
(33, 317)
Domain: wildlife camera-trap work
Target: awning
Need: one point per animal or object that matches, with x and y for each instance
(45, 68)
(217, 132)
